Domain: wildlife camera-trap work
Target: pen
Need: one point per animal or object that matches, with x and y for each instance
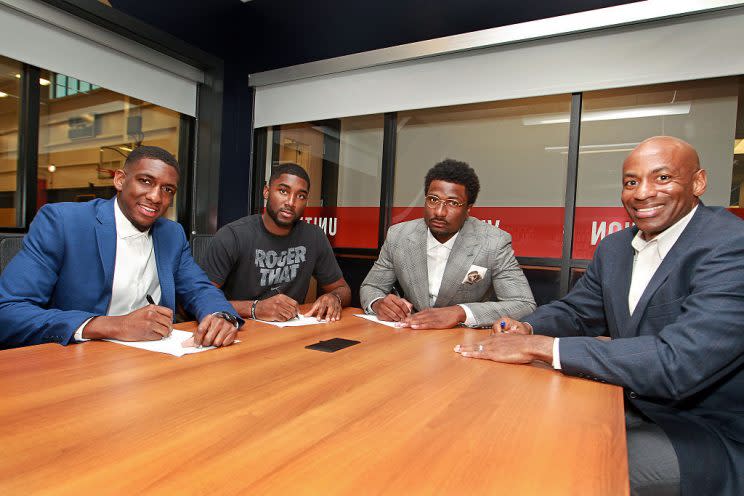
(152, 302)
(277, 290)
(396, 293)
(502, 326)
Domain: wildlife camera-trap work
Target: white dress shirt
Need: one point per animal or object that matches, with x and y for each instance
(437, 255)
(135, 270)
(647, 259)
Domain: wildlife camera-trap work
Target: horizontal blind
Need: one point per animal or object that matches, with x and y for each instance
(49, 38)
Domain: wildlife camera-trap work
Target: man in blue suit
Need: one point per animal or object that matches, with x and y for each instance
(669, 293)
(88, 270)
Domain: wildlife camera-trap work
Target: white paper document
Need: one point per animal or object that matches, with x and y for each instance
(171, 345)
(298, 321)
(373, 318)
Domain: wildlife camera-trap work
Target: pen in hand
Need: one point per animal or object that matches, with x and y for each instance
(276, 291)
(152, 302)
(397, 293)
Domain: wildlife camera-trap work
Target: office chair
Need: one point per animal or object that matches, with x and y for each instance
(199, 246)
(10, 244)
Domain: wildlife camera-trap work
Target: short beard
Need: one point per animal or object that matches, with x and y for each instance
(275, 217)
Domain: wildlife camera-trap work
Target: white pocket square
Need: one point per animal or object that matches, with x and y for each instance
(475, 274)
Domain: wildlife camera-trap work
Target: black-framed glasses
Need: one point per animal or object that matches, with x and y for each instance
(433, 201)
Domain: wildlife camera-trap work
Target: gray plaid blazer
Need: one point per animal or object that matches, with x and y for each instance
(502, 292)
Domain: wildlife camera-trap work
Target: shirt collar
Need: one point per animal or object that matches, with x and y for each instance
(124, 227)
(666, 239)
(431, 241)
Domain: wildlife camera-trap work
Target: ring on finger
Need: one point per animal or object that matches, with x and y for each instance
(480, 348)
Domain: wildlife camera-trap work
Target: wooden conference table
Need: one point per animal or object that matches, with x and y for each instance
(400, 413)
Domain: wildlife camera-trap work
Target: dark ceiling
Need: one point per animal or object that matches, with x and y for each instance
(266, 34)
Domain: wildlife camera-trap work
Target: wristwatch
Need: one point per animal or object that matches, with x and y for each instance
(228, 317)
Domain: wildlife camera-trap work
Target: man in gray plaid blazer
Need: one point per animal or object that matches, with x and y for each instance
(453, 269)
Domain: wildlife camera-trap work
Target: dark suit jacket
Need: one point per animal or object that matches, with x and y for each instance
(680, 356)
(64, 273)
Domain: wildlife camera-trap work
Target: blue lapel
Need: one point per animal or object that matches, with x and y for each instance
(106, 237)
(165, 274)
(669, 263)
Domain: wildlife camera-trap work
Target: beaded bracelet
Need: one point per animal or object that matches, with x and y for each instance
(253, 309)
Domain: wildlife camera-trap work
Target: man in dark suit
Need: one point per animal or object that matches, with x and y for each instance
(88, 270)
(669, 293)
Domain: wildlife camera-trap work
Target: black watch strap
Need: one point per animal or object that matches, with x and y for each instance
(228, 317)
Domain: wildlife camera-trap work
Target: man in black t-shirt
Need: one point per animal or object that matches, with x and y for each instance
(263, 262)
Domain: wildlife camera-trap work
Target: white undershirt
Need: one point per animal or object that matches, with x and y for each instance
(647, 259)
(437, 255)
(135, 270)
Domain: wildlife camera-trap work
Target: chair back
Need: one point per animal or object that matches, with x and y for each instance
(199, 247)
(10, 244)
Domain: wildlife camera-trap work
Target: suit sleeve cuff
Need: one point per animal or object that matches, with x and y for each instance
(79, 332)
(556, 354)
(470, 320)
(369, 310)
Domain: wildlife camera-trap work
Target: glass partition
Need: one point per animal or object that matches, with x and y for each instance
(10, 98)
(86, 133)
(704, 113)
(343, 158)
(519, 148)
(519, 155)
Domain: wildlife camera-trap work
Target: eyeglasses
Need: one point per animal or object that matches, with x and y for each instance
(434, 201)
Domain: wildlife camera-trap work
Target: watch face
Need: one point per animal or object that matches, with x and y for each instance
(228, 317)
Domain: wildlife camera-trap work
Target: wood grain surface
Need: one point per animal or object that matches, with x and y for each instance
(400, 413)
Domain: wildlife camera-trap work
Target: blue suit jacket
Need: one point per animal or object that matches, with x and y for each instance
(680, 356)
(64, 273)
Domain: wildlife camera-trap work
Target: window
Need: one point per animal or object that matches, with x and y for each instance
(343, 158)
(10, 98)
(613, 122)
(61, 86)
(85, 135)
(519, 155)
(519, 148)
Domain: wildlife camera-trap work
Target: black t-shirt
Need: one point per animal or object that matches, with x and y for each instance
(251, 263)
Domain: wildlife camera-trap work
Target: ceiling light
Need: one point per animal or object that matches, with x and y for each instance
(589, 149)
(42, 81)
(680, 108)
(3, 94)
